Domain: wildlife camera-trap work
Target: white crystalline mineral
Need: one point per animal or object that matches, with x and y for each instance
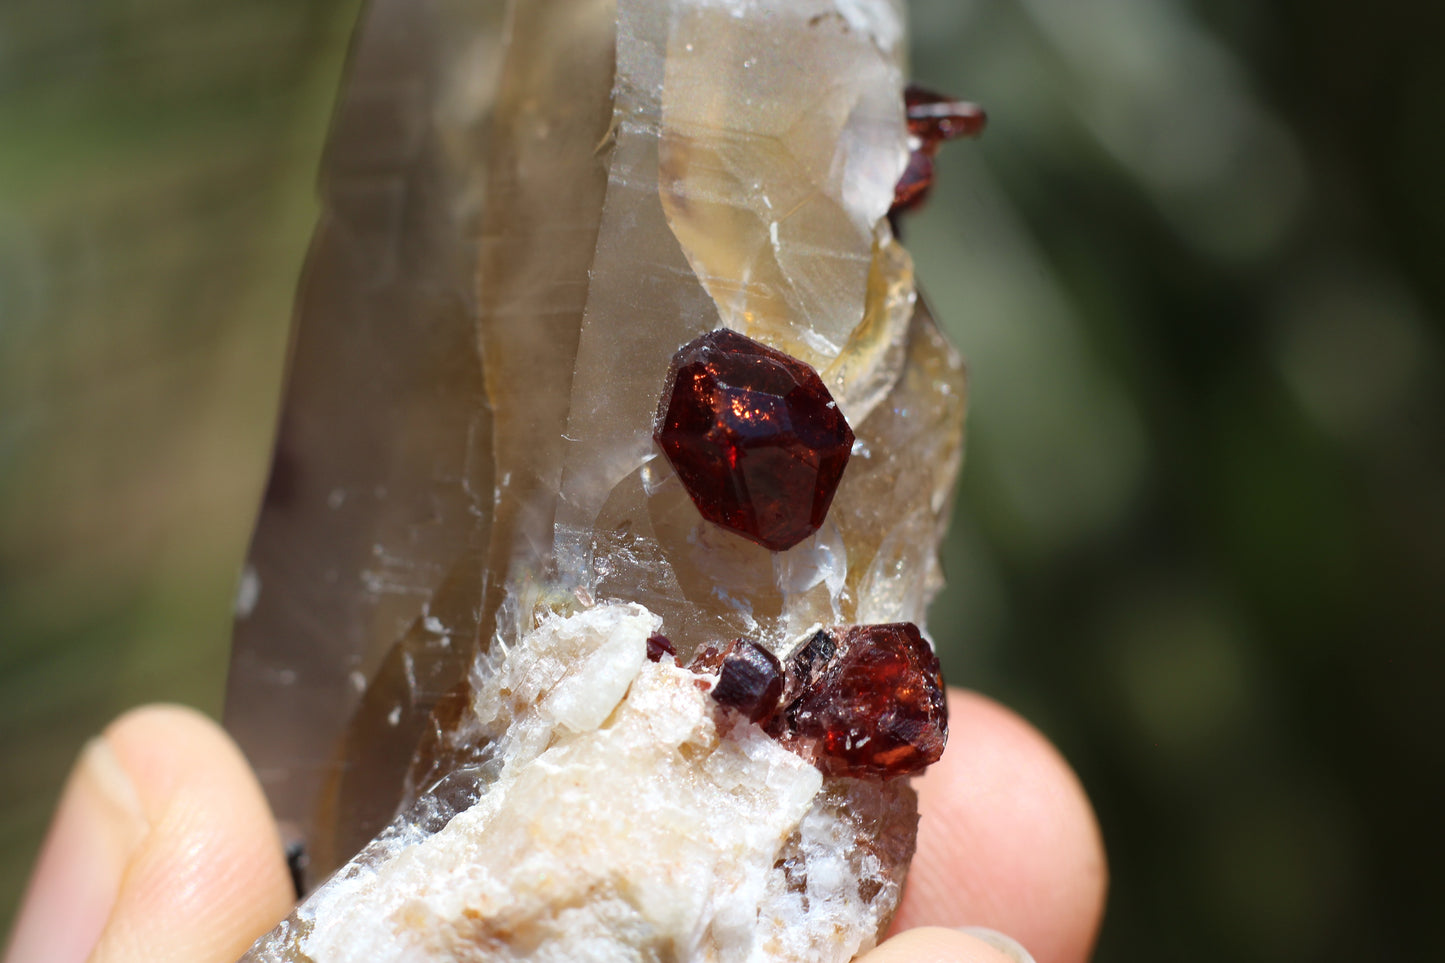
(630, 819)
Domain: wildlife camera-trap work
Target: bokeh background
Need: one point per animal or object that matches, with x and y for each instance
(1197, 263)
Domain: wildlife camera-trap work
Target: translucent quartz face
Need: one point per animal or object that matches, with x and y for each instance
(513, 739)
(722, 109)
(776, 198)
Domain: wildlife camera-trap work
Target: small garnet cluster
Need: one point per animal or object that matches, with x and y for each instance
(933, 119)
(865, 700)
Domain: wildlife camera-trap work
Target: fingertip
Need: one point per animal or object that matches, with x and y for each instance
(1008, 838)
(936, 944)
(209, 875)
(98, 824)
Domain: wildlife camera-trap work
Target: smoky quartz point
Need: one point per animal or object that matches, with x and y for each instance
(496, 667)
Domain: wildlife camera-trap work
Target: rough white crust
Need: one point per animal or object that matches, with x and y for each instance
(630, 820)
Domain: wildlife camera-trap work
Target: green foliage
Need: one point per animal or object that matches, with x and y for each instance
(1194, 262)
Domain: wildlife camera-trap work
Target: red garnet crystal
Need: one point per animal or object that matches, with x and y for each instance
(932, 119)
(754, 436)
(659, 645)
(750, 680)
(865, 701)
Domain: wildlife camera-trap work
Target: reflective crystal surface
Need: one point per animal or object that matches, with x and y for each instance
(776, 166)
(371, 542)
(867, 701)
(749, 680)
(754, 436)
(932, 120)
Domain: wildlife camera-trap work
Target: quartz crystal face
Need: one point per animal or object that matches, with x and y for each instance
(536, 662)
(755, 437)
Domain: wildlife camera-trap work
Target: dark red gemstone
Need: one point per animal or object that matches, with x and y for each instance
(750, 680)
(706, 660)
(659, 645)
(754, 436)
(873, 708)
(913, 187)
(934, 118)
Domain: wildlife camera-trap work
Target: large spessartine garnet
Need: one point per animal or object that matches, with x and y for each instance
(754, 436)
(865, 701)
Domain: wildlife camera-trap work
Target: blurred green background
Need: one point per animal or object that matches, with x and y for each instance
(1196, 264)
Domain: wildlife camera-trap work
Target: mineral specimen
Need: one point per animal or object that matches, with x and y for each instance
(619, 823)
(554, 713)
(754, 436)
(863, 700)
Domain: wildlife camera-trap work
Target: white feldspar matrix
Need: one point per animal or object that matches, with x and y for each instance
(578, 711)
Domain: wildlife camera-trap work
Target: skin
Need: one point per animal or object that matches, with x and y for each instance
(162, 849)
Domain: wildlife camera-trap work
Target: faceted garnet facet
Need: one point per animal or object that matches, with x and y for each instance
(754, 436)
(750, 680)
(865, 701)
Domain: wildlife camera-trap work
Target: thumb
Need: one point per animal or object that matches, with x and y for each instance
(162, 849)
(934, 944)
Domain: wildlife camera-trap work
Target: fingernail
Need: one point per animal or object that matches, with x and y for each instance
(97, 825)
(1007, 945)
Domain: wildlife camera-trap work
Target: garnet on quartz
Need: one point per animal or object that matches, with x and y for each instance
(755, 437)
(932, 120)
(750, 680)
(865, 701)
(659, 645)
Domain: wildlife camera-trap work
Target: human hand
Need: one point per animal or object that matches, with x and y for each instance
(163, 849)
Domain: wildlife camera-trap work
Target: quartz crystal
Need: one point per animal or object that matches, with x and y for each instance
(358, 602)
(501, 669)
